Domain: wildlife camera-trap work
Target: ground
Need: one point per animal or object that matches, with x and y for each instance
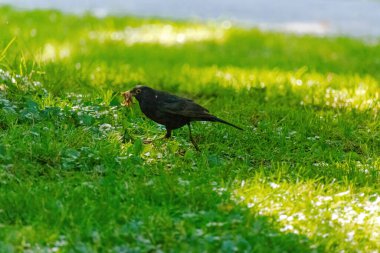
(77, 176)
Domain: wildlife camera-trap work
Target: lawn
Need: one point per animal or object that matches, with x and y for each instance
(76, 174)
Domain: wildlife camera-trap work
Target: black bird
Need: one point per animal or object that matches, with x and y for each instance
(169, 110)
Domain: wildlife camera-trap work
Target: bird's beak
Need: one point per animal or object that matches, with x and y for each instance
(127, 95)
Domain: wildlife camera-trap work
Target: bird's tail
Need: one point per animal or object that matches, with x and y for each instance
(227, 123)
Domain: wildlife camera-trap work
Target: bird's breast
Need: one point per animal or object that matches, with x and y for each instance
(152, 111)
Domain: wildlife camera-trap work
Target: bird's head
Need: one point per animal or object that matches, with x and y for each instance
(139, 92)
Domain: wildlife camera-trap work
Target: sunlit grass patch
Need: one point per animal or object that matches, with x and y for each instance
(331, 216)
(160, 34)
(51, 52)
(311, 88)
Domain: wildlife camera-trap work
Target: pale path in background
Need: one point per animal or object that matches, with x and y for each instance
(348, 17)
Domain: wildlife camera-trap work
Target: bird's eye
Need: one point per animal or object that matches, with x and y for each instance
(138, 91)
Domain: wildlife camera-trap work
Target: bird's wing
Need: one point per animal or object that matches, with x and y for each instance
(184, 107)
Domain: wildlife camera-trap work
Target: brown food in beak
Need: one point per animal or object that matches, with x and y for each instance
(127, 98)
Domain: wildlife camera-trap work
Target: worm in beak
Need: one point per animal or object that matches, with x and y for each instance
(127, 98)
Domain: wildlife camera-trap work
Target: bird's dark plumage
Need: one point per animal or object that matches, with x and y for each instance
(169, 110)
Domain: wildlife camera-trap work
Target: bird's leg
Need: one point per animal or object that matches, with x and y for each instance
(191, 138)
(168, 133)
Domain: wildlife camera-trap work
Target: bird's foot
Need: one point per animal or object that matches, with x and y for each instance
(165, 137)
(195, 144)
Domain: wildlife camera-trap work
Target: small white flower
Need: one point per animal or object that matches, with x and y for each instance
(350, 236)
(105, 127)
(183, 182)
(342, 193)
(274, 185)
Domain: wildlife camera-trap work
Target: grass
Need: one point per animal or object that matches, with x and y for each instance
(76, 176)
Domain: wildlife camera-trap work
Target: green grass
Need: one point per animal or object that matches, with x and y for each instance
(76, 176)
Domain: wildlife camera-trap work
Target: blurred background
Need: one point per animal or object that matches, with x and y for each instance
(309, 106)
(343, 17)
